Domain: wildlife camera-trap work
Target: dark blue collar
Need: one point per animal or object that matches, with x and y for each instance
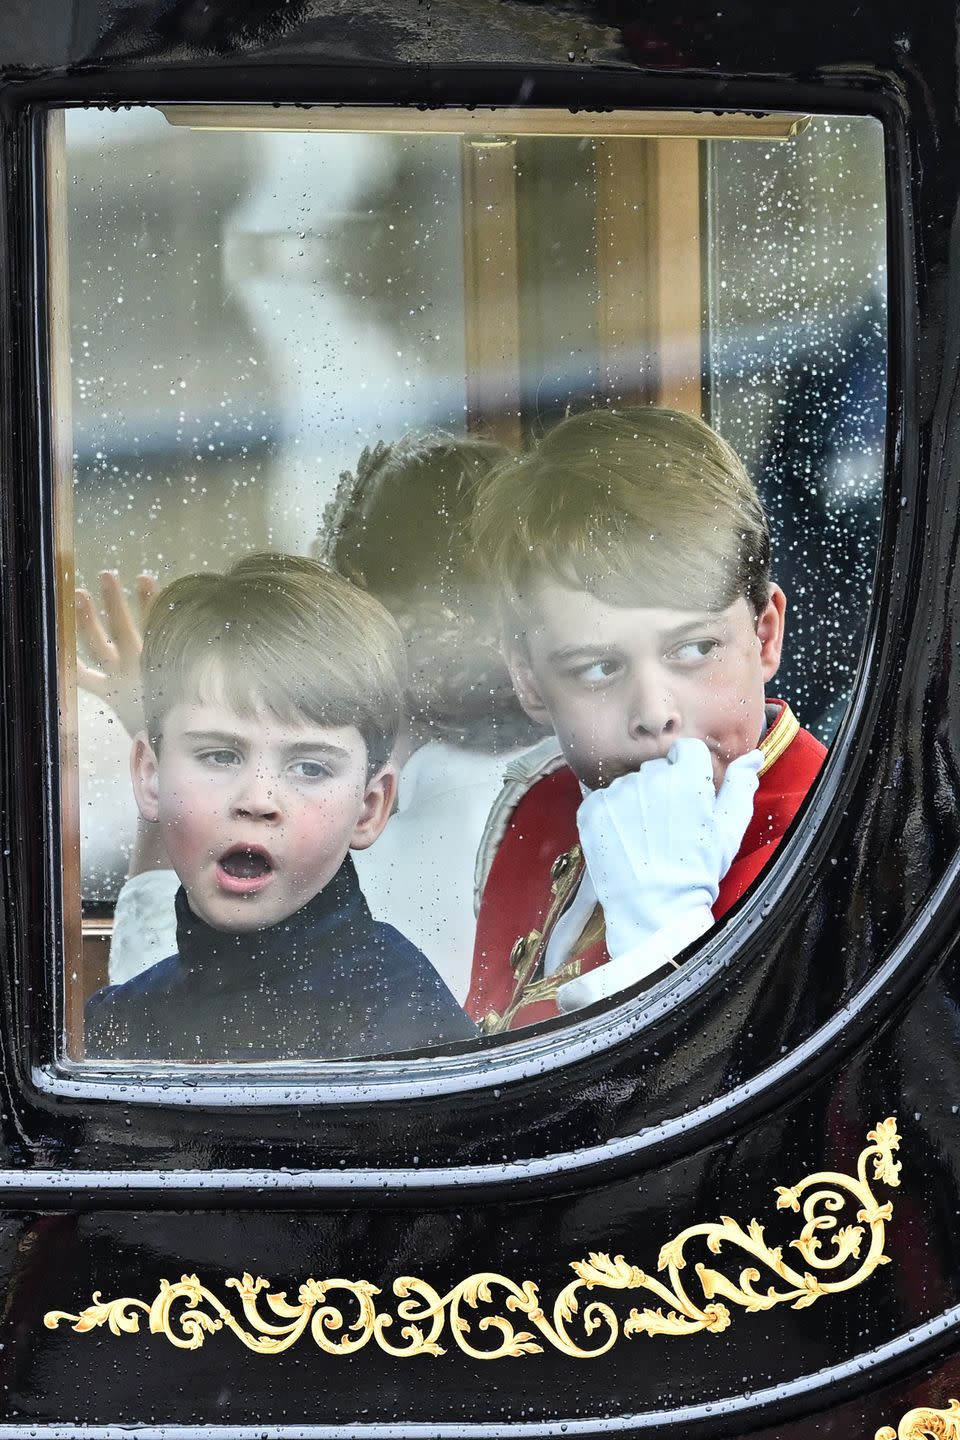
(276, 955)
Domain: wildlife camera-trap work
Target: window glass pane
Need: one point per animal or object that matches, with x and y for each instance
(798, 365)
(456, 378)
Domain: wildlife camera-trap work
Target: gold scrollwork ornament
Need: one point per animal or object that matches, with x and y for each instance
(343, 1315)
(925, 1423)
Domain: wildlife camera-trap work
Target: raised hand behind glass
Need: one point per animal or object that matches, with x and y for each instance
(113, 641)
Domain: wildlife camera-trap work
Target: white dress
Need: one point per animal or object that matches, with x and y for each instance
(419, 874)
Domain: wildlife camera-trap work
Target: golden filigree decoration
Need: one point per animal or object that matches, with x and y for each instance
(187, 1312)
(925, 1423)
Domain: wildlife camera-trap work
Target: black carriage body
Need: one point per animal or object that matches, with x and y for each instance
(832, 1004)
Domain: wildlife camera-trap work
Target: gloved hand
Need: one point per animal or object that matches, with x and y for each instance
(657, 842)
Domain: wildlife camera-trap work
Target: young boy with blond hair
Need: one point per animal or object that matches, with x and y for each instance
(632, 554)
(272, 700)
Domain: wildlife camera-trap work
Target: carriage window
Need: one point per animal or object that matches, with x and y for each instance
(428, 453)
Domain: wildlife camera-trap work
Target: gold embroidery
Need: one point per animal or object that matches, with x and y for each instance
(593, 933)
(526, 957)
(778, 738)
(561, 866)
(547, 986)
(925, 1424)
(423, 1315)
(522, 947)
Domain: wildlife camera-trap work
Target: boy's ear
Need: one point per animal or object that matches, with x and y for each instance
(770, 625)
(517, 661)
(378, 802)
(145, 774)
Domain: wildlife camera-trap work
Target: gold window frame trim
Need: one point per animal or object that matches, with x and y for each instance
(490, 121)
(187, 1312)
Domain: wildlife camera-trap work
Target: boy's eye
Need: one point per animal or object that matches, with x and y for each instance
(694, 650)
(219, 757)
(310, 770)
(597, 671)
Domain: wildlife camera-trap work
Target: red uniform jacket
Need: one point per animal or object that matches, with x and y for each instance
(538, 865)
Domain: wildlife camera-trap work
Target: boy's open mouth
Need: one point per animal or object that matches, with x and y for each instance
(244, 869)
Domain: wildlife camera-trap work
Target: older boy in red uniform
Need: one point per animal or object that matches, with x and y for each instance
(632, 552)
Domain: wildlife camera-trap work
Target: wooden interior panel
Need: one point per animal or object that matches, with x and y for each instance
(491, 288)
(61, 443)
(626, 280)
(96, 954)
(649, 280)
(485, 120)
(675, 198)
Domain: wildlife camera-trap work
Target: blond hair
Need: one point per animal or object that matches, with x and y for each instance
(640, 506)
(280, 633)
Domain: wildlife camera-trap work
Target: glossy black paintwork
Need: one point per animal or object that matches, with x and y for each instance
(830, 1001)
(600, 1088)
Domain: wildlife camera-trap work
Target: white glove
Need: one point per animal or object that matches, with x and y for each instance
(657, 843)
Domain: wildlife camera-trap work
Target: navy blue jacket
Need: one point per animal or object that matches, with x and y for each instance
(327, 983)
